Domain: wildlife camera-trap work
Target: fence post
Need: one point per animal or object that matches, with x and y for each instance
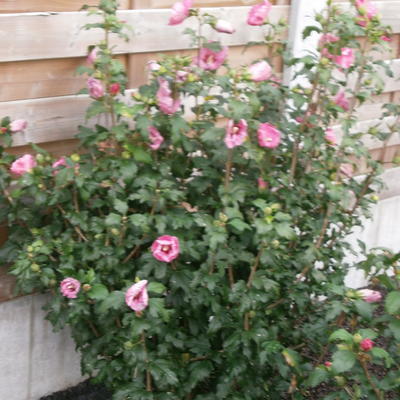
(302, 14)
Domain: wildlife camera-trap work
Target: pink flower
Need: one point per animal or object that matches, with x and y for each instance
(180, 11)
(91, 58)
(347, 170)
(96, 89)
(69, 287)
(18, 125)
(341, 100)
(370, 296)
(136, 296)
(155, 138)
(262, 185)
(168, 105)
(325, 39)
(366, 344)
(165, 248)
(153, 65)
(328, 364)
(236, 134)
(114, 88)
(330, 137)
(23, 165)
(224, 26)
(211, 60)
(366, 8)
(181, 75)
(346, 59)
(386, 38)
(328, 38)
(260, 71)
(268, 136)
(259, 13)
(60, 162)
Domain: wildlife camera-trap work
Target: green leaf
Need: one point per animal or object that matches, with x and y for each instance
(113, 219)
(364, 309)
(394, 326)
(239, 224)
(285, 230)
(343, 360)
(114, 300)
(381, 353)
(368, 333)
(141, 155)
(316, 377)
(156, 287)
(98, 292)
(341, 334)
(392, 302)
(121, 206)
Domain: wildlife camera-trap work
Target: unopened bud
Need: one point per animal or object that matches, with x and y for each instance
(75, 157)
(86, 287)
(35, 268)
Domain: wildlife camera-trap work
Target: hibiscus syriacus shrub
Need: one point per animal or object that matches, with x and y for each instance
(196, 245)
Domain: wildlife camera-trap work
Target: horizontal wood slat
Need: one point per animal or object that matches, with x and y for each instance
(13, 6)
(64, 38)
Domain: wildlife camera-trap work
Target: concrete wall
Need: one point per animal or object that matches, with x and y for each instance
(34, 361)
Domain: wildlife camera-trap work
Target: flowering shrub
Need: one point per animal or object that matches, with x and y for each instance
(196, 245)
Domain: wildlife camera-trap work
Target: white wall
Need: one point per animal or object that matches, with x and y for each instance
(34, 361)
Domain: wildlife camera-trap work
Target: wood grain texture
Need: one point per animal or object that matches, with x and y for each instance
(41, 78)
(63, 37)
(19, 6)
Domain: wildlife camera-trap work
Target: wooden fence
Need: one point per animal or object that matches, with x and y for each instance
(42, 45)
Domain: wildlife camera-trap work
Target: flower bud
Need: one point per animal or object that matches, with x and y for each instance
(126, 155)
(128, 345)
(115, 231)
(357, 338)
(40, 158)
(86, 287)
(275, 243)
(35, 268)
(340, 380)
(268, 210)
(75, 157)
(366, 344)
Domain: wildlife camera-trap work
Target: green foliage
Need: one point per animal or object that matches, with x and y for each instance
(255, 302)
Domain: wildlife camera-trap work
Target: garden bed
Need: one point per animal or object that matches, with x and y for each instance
(83, 391)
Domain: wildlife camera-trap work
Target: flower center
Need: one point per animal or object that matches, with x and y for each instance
(235, 130)
(210, 59)
(165, 248)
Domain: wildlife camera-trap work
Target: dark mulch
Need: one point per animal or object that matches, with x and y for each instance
(83, 391)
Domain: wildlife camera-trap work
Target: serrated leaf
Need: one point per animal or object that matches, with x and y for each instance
(364, 309)
(343, 360)
(156, 287)
(381, 353)
(394, 326)
(114, 300)
(98, 292)
(392, 302)
(239, 224)
(316, 377)
(113, 219)
(285, 230)
(121, 206)
(341, 334)
(141, 155)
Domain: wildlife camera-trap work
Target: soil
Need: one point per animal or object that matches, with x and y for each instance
(83, 391)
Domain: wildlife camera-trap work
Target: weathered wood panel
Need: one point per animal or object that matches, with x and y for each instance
(17, 6)
(64, 38)
(41, 78)
(141, 4)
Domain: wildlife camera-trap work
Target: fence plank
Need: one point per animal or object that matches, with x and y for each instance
(63, 37)
(14, 6)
